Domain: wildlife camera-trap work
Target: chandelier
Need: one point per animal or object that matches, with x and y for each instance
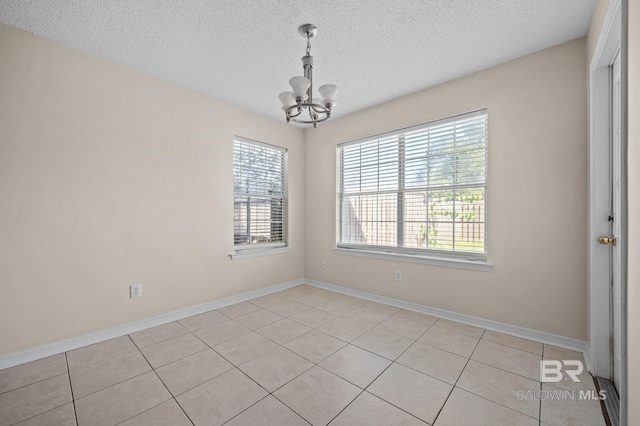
(300, 103)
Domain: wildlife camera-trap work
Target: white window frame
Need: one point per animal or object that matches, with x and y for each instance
(241, 251)
(446, 258)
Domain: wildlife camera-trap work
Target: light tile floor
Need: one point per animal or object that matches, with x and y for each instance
(301, 356)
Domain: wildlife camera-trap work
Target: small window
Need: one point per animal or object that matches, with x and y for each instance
(419, 191)
(260, 195)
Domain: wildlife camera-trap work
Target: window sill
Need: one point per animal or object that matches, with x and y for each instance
(246, 254)
(474, 265)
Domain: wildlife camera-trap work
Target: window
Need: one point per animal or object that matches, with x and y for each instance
(417, 191)
(260, 195)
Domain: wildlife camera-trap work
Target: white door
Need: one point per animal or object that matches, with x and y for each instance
(606, 165)
(615, 219)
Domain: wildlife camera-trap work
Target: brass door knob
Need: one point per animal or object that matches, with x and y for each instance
(607, 240)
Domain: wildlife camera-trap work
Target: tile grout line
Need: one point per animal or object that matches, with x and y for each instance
(49, 410)
(102, 360)
(33, 383)
(363, 390)
(394, 361)
(269, 393)
(163, 340)
(485, 398)
(161, 381)
(502, 369)
(294, 411)
(540, 405)
(186, 356)
(346, 406)
(393, 405)
(458, 379)
(53, 408)
(511, 347)
(312, 362)
(497, 403)
(257, 402)
(73, 400)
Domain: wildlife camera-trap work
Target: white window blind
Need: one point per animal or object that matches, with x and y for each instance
(420, 190)
(260, 195)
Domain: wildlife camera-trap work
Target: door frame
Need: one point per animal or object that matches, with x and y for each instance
(600, 89)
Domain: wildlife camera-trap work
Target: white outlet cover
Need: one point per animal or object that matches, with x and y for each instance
(135, 290)
(398, 275)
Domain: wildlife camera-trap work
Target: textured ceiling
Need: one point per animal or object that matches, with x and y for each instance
(245, 51)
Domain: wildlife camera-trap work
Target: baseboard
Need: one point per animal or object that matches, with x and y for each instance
(29, 355)
(513, 330)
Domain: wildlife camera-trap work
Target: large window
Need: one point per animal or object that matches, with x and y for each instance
(420, 190)
(260, 195)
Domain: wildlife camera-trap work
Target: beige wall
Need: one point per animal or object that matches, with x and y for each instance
(110, 177)
(537, 195)
(633, 164)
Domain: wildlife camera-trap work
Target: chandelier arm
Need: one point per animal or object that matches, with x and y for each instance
(319, 120)
(288, 111)
(319, 108)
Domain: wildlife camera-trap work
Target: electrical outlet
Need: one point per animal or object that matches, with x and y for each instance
(398, 275)
(135, 290)
(324, 264)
